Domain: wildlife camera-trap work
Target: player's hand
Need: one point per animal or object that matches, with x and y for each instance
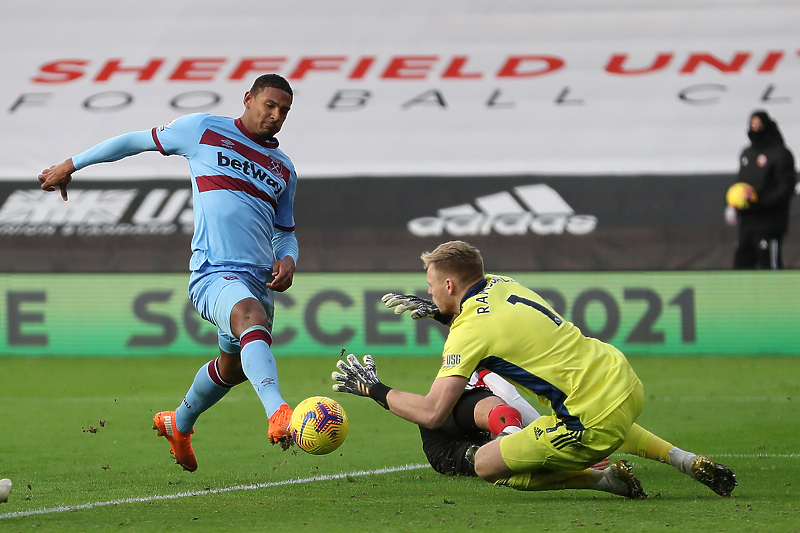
(731, 216)
(57, 176)
(283, 274)
(419, 307)
(356, 378)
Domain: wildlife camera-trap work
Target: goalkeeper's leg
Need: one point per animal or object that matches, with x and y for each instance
(715, 476)
(548, 455)
(491, 465)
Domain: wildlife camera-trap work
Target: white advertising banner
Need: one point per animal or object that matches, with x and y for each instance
(414, 88)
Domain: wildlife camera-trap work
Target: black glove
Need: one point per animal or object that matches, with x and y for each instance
(361, 380)
(419, 307)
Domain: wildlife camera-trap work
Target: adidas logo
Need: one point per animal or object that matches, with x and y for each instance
(536, 208)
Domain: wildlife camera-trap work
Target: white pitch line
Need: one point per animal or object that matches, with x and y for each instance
(725, 456)
(757, 455)
(64, 508)
(719, 399)
(298, 481)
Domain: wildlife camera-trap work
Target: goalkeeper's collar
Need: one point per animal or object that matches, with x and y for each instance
(472, 291)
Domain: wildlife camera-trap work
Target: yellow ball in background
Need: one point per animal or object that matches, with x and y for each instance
(741, 195)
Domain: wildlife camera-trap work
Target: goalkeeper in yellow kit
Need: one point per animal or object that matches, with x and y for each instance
(595, 396)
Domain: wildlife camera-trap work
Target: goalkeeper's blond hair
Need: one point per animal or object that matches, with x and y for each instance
(457, 258)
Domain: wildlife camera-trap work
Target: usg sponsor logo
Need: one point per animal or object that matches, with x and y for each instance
(537, 208)
(450, 360)
(91, 212)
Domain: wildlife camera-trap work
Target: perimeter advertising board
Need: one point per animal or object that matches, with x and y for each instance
(537, 223)
(715, 313)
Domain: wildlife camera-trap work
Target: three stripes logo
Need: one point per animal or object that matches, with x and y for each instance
(536, 208)
(565, 439)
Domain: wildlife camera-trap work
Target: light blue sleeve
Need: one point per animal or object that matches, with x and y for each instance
(284, 217)
(285, 243)
(116, 148)
(180, 137)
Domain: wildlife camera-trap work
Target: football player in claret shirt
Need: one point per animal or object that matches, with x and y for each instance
(595, 396)
(243, 248)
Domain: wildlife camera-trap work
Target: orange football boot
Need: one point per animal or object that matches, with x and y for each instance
(278, 432)
(180, 444)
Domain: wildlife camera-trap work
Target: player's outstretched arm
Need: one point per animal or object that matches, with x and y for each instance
(428, 411)
(113, 149)
(57, 176)
(419, 307)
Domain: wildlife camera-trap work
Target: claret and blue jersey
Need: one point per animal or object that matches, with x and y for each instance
(242, 188)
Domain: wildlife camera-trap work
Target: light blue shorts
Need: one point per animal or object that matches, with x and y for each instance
(214, 292)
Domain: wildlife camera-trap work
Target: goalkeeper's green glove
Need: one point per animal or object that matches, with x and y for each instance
(419, 307)
(361, 380)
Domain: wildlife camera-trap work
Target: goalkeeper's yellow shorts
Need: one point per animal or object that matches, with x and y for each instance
(547, 443)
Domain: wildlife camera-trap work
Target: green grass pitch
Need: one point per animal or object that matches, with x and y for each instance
(76, 440)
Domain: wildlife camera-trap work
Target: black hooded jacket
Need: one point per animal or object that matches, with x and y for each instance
(768, 166)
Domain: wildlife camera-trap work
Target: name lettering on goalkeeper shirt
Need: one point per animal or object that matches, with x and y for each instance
(483, 296)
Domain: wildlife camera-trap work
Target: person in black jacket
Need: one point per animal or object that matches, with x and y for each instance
(768, 165)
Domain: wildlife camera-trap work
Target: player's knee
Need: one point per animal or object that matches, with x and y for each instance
(489, 463)
(246, 314)
(485, 465)
(484, 473)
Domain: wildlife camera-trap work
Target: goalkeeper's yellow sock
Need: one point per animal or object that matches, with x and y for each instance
(645, 444)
